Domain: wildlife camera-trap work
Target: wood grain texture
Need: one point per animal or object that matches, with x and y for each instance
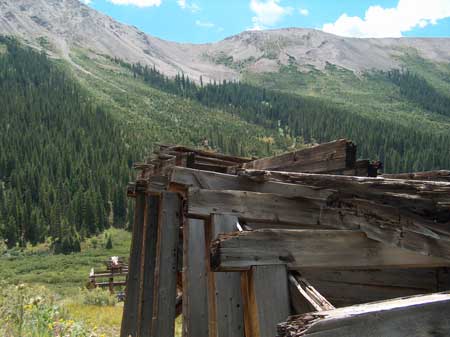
(441, 175)
(195, 296)
(146, 306)
(263, 207)
(130, 311)
(418, 316)
(349, 287)
(271, 294)
(218, 181)
(326, 249)
(332, 156)
(304, 297)
(166, 267)
(227, 287)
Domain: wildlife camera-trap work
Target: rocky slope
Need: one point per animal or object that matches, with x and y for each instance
(62, 25)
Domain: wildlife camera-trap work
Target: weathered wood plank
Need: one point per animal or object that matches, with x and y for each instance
(208, 154)
(441, 175)
(130, 311)
(349, 287)
(195, 296)
(304, 297)
(227, 287)
(148, 265)
(418, 316)
(264, 207)
(326, 249)
(270, 299)
(332, 156)
(166, 268)
(420, 197)
(219, 181)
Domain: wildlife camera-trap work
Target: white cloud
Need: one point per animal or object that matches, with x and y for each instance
(303, 11)
(267, 13)
(391, 22)
(204, 24)
(87, 2)
(193, 7)
(138, 3)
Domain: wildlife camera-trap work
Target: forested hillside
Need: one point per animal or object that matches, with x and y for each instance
(63, 163)
(68, 140)
(399, 146)
(66, 154)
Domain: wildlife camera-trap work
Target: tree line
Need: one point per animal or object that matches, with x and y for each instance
(399, 147)
(63, 162)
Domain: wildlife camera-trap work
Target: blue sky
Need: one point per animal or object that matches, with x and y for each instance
(199, 21)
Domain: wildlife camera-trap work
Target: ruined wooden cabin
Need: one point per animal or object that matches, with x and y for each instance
(308, 243)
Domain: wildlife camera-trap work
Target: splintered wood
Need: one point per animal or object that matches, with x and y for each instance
(244, 244)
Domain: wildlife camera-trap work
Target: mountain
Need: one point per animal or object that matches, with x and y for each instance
(64, 25)
(99, 96)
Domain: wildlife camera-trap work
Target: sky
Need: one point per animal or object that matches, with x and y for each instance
(200, 21)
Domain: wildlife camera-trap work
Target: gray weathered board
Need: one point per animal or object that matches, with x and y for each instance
(382, 222)
(267, 300)
(131, 305)
(304, 297)
(148, 266)
(349, 287)
(166, 266)
(227, 287)
(418, 316)
(332, 156)
(326, 249)
(195, 283)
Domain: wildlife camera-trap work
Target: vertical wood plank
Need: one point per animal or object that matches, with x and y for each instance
(149, 265)
(195, 298)
(269, 299)
(131, 305)
(210, 281)
(227, 292)
(166, 267)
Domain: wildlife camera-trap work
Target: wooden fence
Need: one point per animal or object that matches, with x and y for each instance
(292, 245)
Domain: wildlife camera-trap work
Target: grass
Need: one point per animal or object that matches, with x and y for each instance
(62, 274)
(65, 275)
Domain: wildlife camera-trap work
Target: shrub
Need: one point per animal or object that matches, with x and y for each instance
(109, 244)
(27, 311)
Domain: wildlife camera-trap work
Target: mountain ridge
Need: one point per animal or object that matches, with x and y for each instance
(61, 26)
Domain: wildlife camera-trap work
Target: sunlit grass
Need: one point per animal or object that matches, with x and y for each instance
(105, 320)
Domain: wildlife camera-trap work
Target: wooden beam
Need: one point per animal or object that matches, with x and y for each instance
(304, 297)
(227, 287)
(332, 156)
(208, 154)
(266, 300)
(195, 296)
(357, 286)
(410, 214)
(326, 249)
(219, 181)
(129, 325)
(420, 197)
(441, 175)
(418, 316)
(165, 286)
(264, 207)
(148, 265)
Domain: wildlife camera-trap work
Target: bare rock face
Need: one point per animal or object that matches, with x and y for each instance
(67, 24)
